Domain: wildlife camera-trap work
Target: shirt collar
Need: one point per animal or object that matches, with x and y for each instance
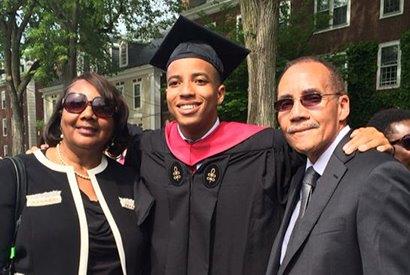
(216, 124)
(324, 158)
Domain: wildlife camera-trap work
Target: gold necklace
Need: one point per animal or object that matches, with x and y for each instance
(62, 161)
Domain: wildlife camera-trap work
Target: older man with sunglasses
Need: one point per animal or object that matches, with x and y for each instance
(346, 214)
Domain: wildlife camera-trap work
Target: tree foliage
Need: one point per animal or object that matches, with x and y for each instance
(85, 30)
(53, 33)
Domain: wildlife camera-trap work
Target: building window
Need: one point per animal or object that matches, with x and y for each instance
(120, 87)
(80, 63)
(5, 150)
(284, 13)
(239, 27)
(4, 123)
(331, 14)
(3, 100)
(211, 25)
(123, 54)
(388, 65)
(390, 8)
(239, 22)
(53, 100)
(137, 95)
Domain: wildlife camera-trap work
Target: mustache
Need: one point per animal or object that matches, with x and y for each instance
(302, 127)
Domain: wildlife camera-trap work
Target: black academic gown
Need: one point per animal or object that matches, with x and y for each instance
(221, 218)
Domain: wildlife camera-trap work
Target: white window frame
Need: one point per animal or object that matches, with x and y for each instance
(331, 8)
(238, 21)
(4, 127)
(120, 51)
(54, 99)
(120, 88)
(382, 16)
(211, 25)
(136, 83)
(238, 25)
(379, 58)
(289, 3)
(80, 63)
(5, 150)
(3, 100)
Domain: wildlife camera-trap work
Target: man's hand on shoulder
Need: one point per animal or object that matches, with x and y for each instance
(367, 138)
(35, 148)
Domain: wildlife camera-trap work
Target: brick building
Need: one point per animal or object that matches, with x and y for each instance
(338, 23)
(33, 112)
(5, 121)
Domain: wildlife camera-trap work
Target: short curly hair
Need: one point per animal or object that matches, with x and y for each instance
(382, 120)
(120, 137)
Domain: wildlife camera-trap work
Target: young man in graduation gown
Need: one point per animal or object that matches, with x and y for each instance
(218, 186)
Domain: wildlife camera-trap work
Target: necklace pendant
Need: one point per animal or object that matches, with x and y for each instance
(85, 177)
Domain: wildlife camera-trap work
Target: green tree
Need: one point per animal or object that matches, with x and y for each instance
(87, 28)
(52, 33)
(15, 16)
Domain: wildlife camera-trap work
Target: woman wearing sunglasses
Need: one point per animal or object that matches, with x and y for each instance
(395, 124)
(79, 214)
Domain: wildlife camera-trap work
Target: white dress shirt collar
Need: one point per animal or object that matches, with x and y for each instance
(324, 158)
(213, 128)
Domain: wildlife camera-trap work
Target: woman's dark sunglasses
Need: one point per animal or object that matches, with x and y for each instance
(404, 142)
(76, 103)
(307, 100)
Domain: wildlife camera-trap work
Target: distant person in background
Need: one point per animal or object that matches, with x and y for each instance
(395, 124)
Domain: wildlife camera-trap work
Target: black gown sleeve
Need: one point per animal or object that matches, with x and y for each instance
(287, 162)
(7, 209)
(133, 156)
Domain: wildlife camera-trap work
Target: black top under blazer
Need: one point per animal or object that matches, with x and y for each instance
(53, 235)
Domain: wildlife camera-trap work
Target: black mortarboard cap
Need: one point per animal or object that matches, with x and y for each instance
(189, 39)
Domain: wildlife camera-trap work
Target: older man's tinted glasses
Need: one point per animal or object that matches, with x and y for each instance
(76, 103)
(308, 100)
(404, 142)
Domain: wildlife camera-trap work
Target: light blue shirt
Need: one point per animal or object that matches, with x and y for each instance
(319, 166)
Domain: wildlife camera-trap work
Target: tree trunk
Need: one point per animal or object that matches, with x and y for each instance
(11, 30)
(17, 99)
(260, 21)
(18, 129)
(70, 68)
(73, 43)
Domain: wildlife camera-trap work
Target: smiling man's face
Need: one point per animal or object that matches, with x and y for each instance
(193, 94)
(310, 130)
